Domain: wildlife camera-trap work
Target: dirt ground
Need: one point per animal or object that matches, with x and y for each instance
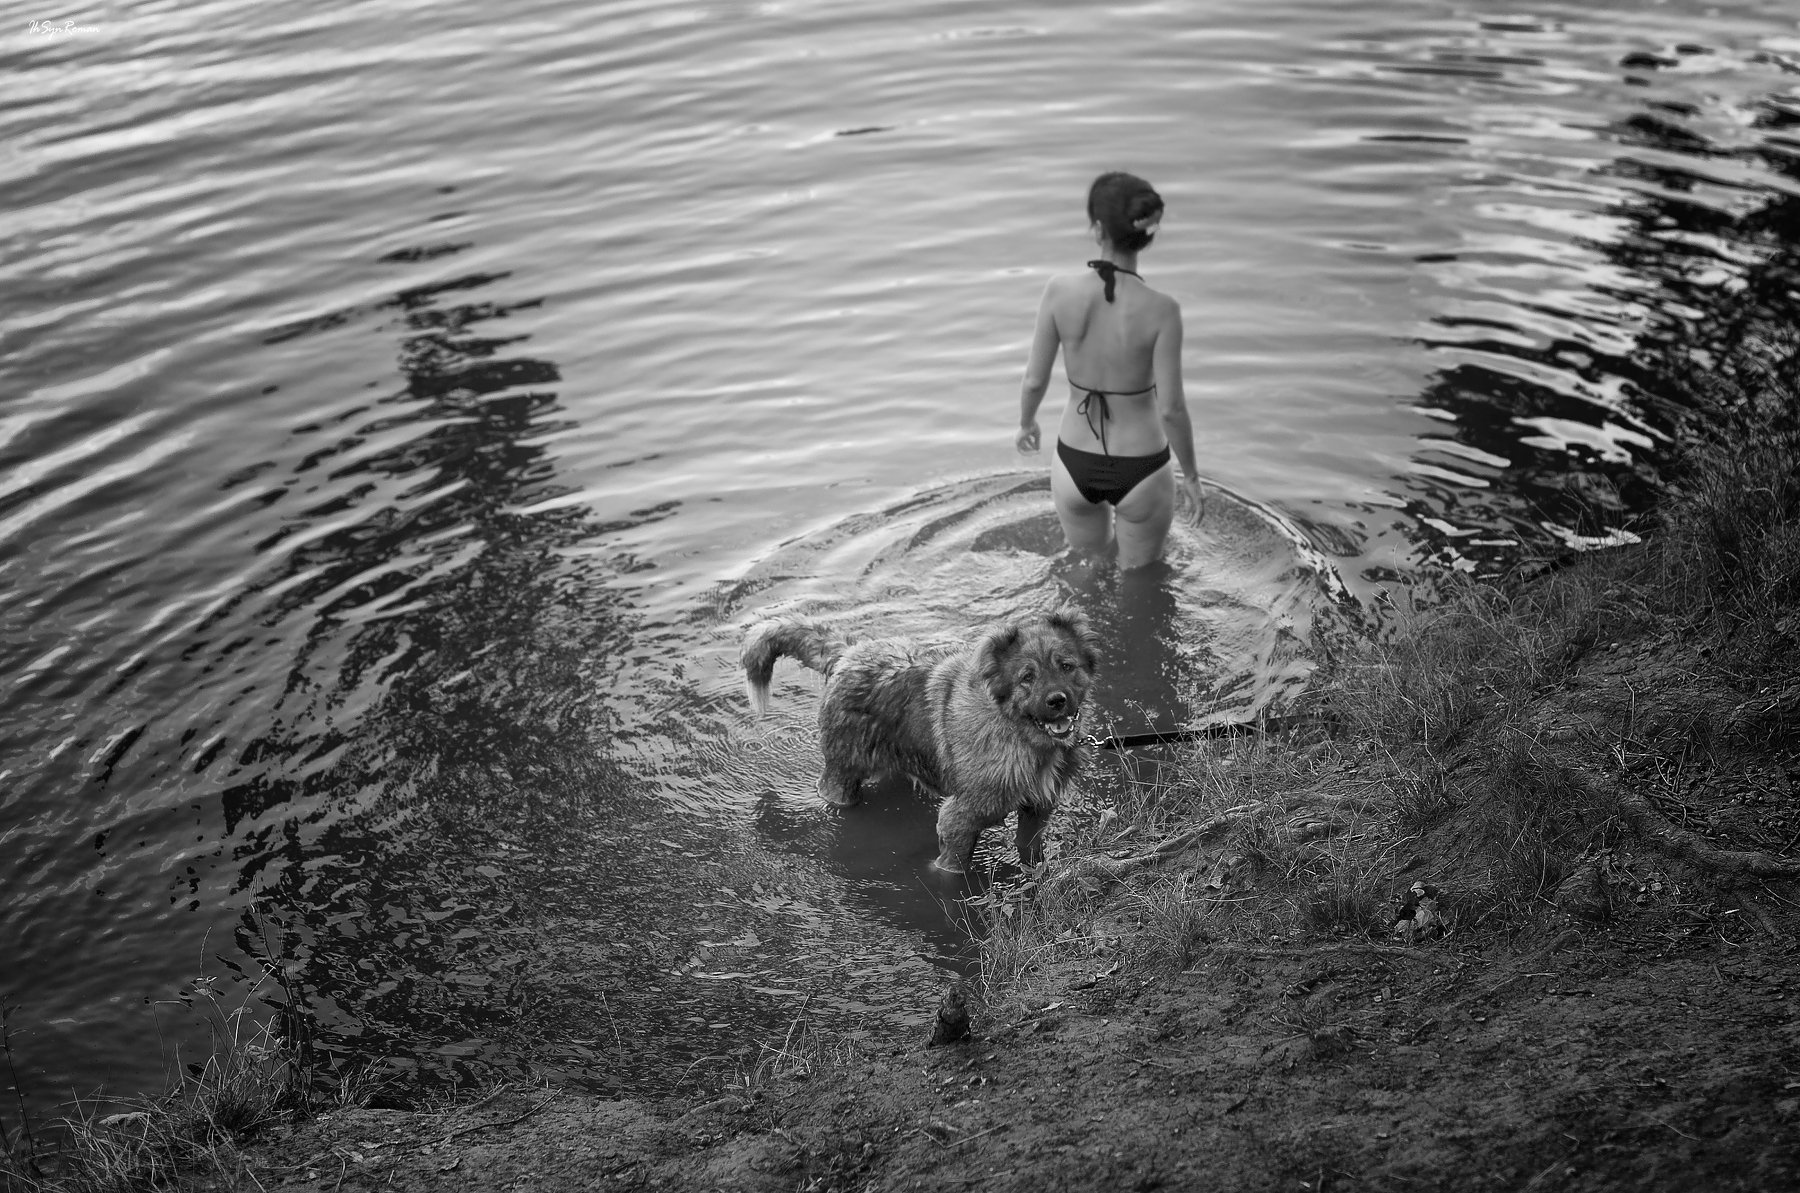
(1644, 1037)
(1600, 1059)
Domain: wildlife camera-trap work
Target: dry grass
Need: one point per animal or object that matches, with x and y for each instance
(1293, 854)
(189, 1139)
(1730, 535)
(803, 1052)
(1434, 760)
(1176, 918)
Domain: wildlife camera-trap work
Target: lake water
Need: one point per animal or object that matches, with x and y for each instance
(406, 406)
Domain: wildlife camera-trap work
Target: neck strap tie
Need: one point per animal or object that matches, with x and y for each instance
(1109, 273)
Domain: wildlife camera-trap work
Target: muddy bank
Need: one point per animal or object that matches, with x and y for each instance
(1597, 1060)
(1215, 1019)
(1519, 912)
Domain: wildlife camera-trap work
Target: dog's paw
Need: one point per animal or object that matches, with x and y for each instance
(839, 795)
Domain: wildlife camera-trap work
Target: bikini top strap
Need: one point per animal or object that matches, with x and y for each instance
(1094, 407)
(1086, 410)
(1109, 273)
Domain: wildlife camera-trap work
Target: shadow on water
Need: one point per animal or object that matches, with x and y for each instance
(462, 861)
(1560, 441)
(400, 868)
(881, 850)
(1137, 617)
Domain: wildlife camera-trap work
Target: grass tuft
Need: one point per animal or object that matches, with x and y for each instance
(1177, 921)
(188, 1139)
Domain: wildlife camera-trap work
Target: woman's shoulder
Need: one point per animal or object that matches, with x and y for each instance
(1164, 305)
(1081, 285)
(1066, 293)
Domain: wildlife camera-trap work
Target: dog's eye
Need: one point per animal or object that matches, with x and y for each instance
(1066, 665)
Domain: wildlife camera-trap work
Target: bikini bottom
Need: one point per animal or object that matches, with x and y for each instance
(1107, 478)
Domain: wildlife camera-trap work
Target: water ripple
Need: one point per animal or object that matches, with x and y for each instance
(403, 400)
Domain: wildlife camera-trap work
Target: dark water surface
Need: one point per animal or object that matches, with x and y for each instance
(406, 405)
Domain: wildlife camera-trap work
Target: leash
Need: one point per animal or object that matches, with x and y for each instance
(1131, 741)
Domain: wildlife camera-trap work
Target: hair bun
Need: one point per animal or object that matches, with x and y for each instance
(1127, 208)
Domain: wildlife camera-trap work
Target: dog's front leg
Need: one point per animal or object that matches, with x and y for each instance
(1031, 834)
(839, 785)
(957, 829)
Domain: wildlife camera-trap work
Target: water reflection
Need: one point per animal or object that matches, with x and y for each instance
(451, 740)
(1559, 416)
(471, 861)
(1143, 644)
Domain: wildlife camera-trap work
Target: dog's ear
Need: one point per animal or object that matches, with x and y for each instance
(991, 660)
(1073, 622)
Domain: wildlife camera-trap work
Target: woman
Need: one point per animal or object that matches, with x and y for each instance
(1112, 480)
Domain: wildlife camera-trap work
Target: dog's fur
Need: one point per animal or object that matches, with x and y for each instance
(991, 728)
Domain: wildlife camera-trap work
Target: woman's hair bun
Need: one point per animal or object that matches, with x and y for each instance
(1127, 208)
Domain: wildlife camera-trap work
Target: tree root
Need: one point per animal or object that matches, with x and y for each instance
(1692, 847)
(1096, 872)
(1342, 803)
(1345, 948)
(1304, 828)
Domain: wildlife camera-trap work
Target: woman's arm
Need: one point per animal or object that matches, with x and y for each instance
(1044, 343)
(1171, 403)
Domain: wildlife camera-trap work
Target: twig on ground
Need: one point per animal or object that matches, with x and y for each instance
(1675, 1129)
(618, 1042)
(1416, 956)
(504, 1122)
(473, 1106)
(977, 1135)
(1107, 870)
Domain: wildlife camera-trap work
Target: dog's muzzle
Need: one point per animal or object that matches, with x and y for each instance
(1060, 725)
(1062, 730)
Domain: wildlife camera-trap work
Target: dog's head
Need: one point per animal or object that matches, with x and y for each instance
(1039, 669)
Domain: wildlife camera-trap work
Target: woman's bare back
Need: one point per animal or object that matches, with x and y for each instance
(1110, 347)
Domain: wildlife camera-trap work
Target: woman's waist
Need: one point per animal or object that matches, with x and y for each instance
(1123, 437)
(1113, 421)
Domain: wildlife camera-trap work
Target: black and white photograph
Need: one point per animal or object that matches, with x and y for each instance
(834, 596)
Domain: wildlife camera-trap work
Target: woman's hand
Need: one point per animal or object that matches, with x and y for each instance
(1028, 439)
(1189, 501)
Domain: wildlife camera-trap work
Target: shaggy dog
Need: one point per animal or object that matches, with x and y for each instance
(989, 728)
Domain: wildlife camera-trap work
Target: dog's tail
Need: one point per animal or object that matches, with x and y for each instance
(812, 644)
